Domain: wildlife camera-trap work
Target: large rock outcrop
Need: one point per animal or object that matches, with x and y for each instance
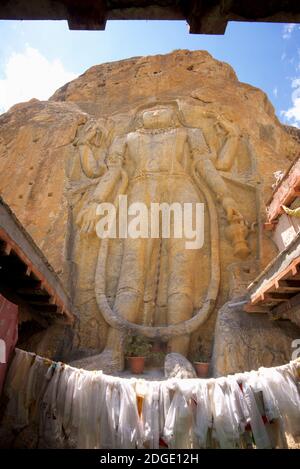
(51, 155)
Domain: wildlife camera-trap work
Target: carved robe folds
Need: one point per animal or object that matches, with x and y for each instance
(162, 161)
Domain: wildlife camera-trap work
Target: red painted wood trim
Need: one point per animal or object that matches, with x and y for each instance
(61, 306)
(288, 272)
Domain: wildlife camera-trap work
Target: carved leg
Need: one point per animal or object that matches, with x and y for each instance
(153, 277)
(136, 281)
(180, 290)
(129, 297)
(181, 271)
(129, 303)
(180, 307)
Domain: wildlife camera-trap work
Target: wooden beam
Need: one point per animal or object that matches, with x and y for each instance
(44, 308)
(26, 267)
(293, 282)
(248, 308)
(21, 282)
(88, 15)
(36, 299)
(291, 272)
(30, 290)
(6, 249)
(287, 285)
(294, 301)
(277, 297)
(269, 226)
(294, 277)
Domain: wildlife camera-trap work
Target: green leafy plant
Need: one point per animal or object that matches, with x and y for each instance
(157, 357)
(199, 354)
(137, 346)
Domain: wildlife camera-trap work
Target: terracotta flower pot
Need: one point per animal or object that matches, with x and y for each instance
(136, 364)
(201, 369)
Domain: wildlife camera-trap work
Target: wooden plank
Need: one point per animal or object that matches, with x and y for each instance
(294, 277)
(286, 290)
(269, 226)
(258, 298)
(249, 308)
(273, 296)
(23, 246)
(7, 249)
(287, 285)
(53, 300)
(44, 308)
(21, 282)
(30, 290)
(290, 272)
(36, 299)
(294, 283)
(60, 310)
(294, 301)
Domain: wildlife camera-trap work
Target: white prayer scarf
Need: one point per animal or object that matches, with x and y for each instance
(84, 409)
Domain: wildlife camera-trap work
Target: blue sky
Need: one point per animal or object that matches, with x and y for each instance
(38, 57)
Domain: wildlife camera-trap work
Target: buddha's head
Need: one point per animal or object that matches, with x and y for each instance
(158, 118)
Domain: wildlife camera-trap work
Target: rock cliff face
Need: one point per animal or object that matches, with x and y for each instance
(55, 154)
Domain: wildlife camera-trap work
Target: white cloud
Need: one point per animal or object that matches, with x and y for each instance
(275, 91)
(30, 75)
(288, 29)
(292, 115)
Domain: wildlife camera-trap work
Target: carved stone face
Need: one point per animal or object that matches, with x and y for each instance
(158, 118)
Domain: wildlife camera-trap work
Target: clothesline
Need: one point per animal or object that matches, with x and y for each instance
(76, 408)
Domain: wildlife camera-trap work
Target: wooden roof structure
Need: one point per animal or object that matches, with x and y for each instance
(26, 277)
(277, 289)
(284, 193)
(203, 16)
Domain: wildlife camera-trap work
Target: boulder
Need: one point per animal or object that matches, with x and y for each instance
(177, 366)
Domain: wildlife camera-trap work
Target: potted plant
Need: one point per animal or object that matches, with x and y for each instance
(158, 353)
(136, 350)
(201, 364)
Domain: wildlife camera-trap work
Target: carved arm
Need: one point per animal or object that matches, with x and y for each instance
(87, 216)
(227, 154)
(203, 162)
(92, 149)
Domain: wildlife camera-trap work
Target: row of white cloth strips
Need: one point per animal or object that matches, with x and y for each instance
(87, 409)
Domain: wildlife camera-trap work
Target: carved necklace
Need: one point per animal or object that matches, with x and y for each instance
(155, 131)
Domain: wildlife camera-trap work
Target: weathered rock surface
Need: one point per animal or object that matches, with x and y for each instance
(177, 366)
(246, 341)
(43, 180)
(89, 361)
